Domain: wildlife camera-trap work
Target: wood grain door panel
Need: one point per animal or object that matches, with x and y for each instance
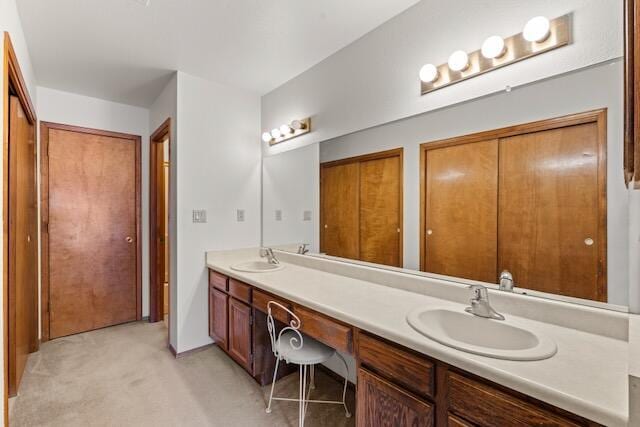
(461, 210)
(549, 209)
(380, 210)
(92, 231)
(240, 333)
(340, 211)
(382, 404)
(218, 317)
(23, 243)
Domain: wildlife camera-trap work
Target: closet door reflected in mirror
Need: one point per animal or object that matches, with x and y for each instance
(531, 200)
(361, 208)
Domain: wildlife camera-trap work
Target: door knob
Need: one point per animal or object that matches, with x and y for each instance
(588, 241)
(429, 232)
(129, 239)
(326, 226)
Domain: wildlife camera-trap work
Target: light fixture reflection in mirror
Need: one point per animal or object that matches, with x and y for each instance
(493, 47)
(537, 29)
(458, 61)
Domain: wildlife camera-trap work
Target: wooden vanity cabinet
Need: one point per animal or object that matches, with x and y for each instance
(400, 387)
(396, 386)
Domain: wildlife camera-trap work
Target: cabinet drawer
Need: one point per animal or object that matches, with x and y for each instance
(218, 281)
(397, 364)
(240, 290)
(326, 330)
(487, 406)
(260, 301)
(381, 403)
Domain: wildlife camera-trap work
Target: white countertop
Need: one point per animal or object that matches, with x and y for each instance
(588, 376)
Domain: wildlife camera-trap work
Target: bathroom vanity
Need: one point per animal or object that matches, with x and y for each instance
(403, 377)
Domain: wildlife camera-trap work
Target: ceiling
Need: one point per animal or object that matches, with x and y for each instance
(124, 51)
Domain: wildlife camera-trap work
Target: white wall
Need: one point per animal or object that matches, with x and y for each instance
(78, 110)
(291, 183)
(165, 106)
(580, 91)
(10, 22)
(218, 169)
(375, 79)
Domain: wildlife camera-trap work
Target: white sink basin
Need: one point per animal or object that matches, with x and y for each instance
(486, 337)
(257, 267)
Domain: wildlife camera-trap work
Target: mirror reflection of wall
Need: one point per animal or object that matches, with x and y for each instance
(482, 190)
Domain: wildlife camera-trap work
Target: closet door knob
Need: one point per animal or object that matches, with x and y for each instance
(326, 226)
(429, 232)
(129, 239)
(588, 241)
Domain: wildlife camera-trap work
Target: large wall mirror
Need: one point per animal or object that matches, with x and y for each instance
(526, 182)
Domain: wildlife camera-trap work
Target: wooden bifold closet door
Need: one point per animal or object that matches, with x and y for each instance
(23, 244)
(462, 210)
(529, 199)
(361, 208)
(93, 202)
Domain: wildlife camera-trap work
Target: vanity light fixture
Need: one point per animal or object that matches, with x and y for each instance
(493, 47)
(287, 131)
(540, 35)
(537, 29)
(429, 73)
(459, 61)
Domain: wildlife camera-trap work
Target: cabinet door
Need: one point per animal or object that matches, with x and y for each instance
(218, 317)
(339, 210)
(461, 210)
(382, 404)
(240, 333)
(381, 211)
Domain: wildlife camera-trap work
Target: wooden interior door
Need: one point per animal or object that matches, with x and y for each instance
(339, 192)
(461, 199)
(23, 243)
(381, 210)
(549, 216)
(93, 228)
(161, 227)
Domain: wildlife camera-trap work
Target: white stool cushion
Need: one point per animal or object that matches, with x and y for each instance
(312, 351)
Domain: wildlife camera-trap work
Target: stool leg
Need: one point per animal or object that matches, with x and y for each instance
(346, 380)
(312, 381)
(273, 384)
(301, 407)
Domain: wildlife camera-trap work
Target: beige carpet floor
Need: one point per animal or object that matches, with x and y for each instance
(125, 376)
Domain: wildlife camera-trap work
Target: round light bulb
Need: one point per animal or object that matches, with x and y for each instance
(275, 133)
(298, 125)
(493, 47)
(537, 29)
(459, 60)
(266, 137)
(286, 129)
(428, 73)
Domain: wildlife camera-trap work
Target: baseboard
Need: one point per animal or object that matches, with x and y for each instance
(189, 352)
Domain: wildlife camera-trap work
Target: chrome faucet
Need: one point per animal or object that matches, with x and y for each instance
(480, 303)
(268, 253)
(506, 281)
(303, 248)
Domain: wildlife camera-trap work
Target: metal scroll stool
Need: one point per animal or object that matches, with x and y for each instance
(292, 346)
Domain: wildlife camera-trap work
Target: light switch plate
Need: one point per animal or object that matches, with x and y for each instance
(240, 215)
(199, 215)
(306, 216)
(278, 215)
